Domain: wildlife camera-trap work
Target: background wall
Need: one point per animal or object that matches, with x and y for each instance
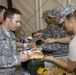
(3, 2)
(32, 12)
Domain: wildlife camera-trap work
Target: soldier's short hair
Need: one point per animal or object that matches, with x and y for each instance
(10, 12)
(2, 7)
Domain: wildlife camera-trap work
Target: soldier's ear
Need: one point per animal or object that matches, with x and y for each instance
(8, 19)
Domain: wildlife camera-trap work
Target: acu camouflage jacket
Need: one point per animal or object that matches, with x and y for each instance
(55, 31)
(9, 56)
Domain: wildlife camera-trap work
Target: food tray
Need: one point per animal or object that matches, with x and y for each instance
(36, 54)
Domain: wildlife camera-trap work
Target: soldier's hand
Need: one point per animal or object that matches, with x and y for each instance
(23, 57)
(37, 34)
(46, 57)
(49, 40)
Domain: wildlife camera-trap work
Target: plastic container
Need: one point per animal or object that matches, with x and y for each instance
(25, 52)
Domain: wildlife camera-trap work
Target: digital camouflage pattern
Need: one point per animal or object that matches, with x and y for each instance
(9, 56)
(55, 31)
(46, 14)
(55, 12)
(62, 12)
(10, 71)
(70, 8)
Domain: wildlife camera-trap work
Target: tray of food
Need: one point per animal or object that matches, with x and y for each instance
(34, 54)
(37, 54)
(53, 71)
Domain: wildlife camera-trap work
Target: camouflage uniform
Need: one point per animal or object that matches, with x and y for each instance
(46, 32)
(62, 12)
(55, 31)
(9, 57)
(70, 8)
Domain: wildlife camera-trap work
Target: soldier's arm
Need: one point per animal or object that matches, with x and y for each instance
(63, 40)
(66, 64)
(58, 40)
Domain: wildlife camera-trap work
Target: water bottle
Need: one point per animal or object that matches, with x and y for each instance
(22, 40)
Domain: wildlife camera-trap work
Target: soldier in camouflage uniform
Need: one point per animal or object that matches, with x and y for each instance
(70, 25)
(9, 55)
(54, 31)
(46, 32)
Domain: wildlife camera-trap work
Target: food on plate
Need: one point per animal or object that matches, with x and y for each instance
(38, 55)
(42, 71)
(35, 54)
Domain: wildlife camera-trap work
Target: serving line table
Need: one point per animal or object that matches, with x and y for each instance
(33, 65)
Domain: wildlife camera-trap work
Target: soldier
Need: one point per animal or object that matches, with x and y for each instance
(9, 56)
(59, 19)
(69, 24)
(54, 30)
